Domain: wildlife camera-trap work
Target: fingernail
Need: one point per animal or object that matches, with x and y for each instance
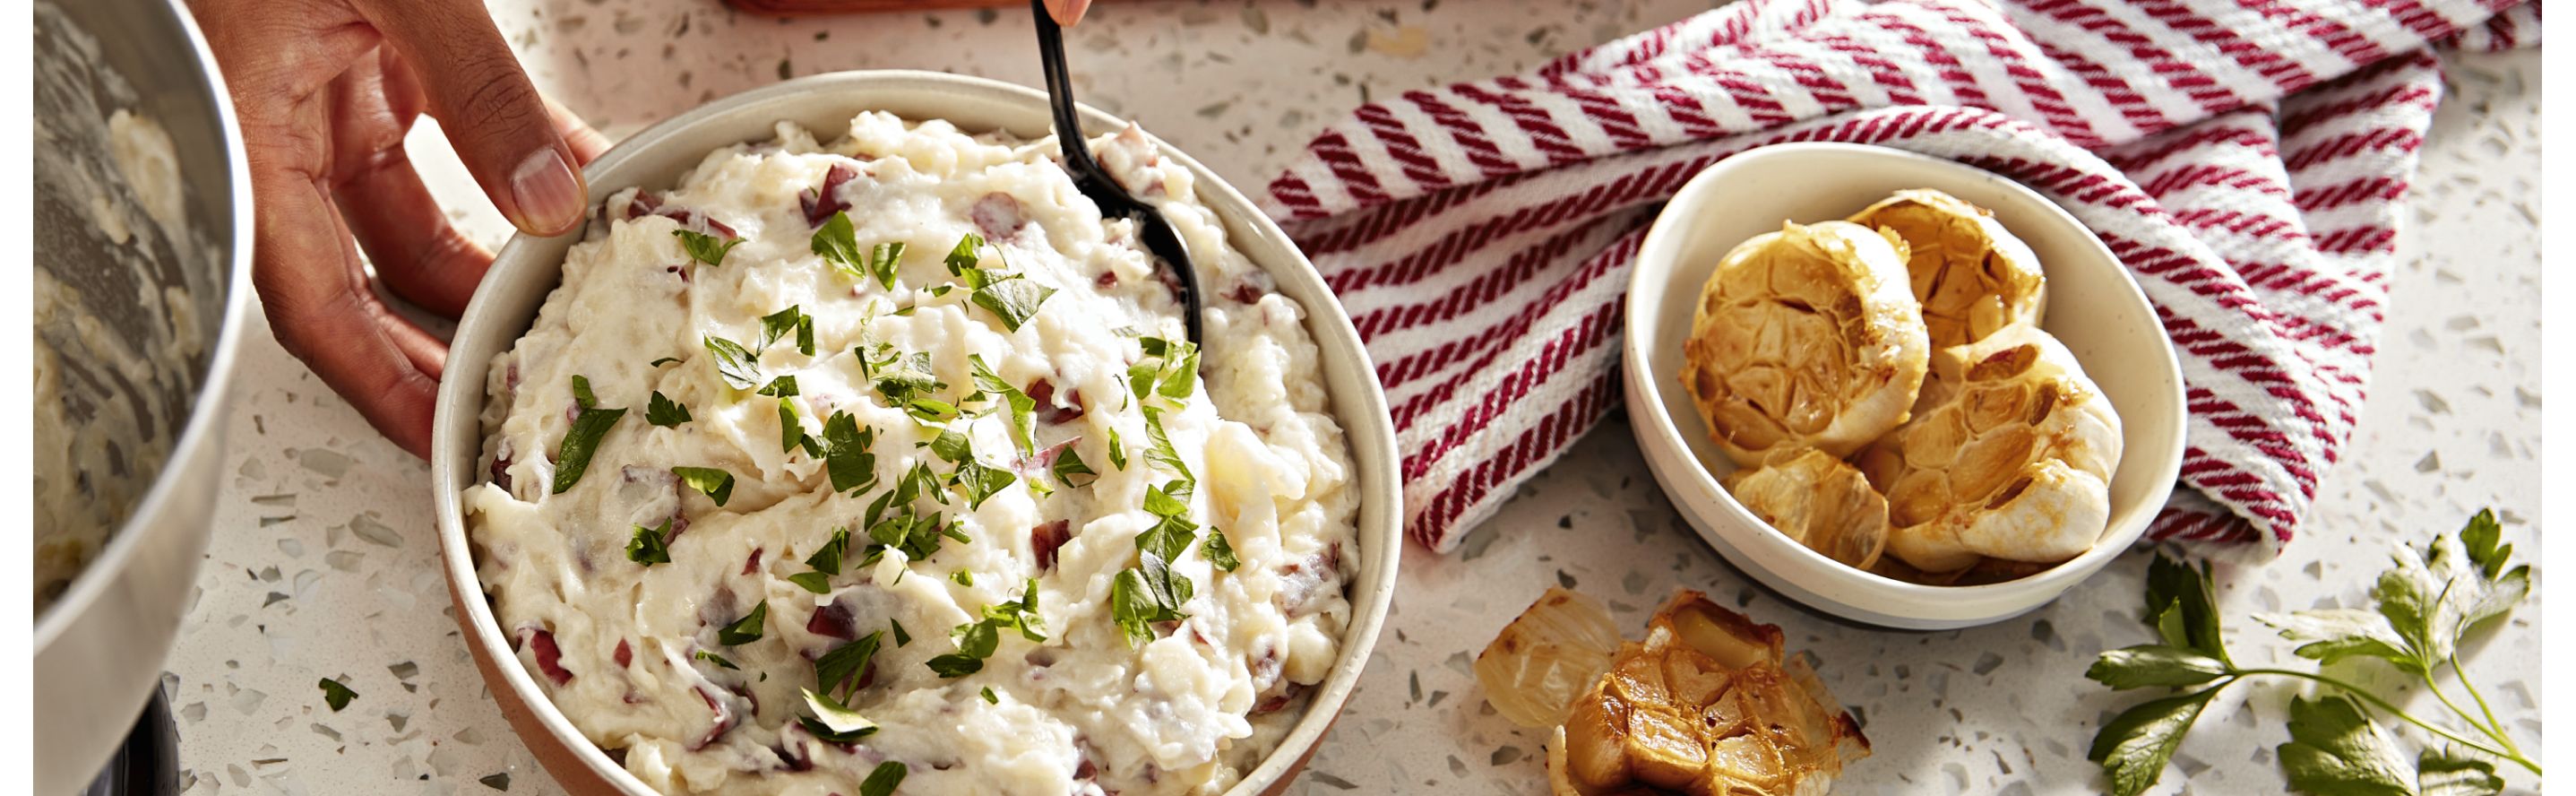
(547, 192)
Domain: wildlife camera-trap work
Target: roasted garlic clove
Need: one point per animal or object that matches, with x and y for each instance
(1817, 500)
(1971, 275)
(1806, 337)
(2013, 463)
(1546, 657)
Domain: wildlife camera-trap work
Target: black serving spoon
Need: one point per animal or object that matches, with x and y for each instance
(1094, 182)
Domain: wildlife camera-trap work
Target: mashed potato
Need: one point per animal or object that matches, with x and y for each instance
(987, 457)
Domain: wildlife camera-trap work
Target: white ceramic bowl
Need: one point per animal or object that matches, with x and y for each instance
(529, 267)
(2094, 307)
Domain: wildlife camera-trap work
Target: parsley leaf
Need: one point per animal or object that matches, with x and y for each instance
(975, 642)
(1159, 450)
(833, 721)
(2134, 746)
(719, 660)
(883, 259)
(1023, 407)
(2335, 748)
(838, 244)
(782, 323)
(990, 698)
(336, 695)
(579, 441)
(733, 362)
(982, 482)
(660, 362)
(2182, 608)
(882, 781)
(747, 629)
(2442, 773)
(651, 545)
(665, 412)
(782, 387)
(840, 670)
(705, 248)
(791, 430)
(1220, 552)
(581, 396)
(827, 558)
(846, 454)
(1133, 606)
(1068, 464)
(963, 577)
(2155, 665)
(715, 482)
(1117, 450)
(1013, 299)
(1170, 369)
(962, 257)
(817, 582)
(900, 636)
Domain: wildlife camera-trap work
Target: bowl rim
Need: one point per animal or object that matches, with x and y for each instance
(1659, 423)
(1362, 415)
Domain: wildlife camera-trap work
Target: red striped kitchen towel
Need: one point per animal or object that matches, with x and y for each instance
(2247, 160)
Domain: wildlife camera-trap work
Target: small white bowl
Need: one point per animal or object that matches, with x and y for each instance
(2094, 307)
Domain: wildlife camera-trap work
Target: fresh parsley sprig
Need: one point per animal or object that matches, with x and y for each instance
(2426, 603)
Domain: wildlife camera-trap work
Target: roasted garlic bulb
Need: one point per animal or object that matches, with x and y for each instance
(1971, 275)
(1817, 500)
(1806, 337)
(2009, 456)
(1706, 705)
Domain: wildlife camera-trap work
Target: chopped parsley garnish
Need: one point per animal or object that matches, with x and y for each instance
(817, 582)
(715, 482)
(901, 636)
(882, 781)
(1068, 463)
(1170, 369)
(791, 430)
(1012, 298)
(1220, 552)
(651, 545)
(989, 698)
(579, 441)
(846, 454)
(903, 380)
(953, 446)
(1023, 408)
(747, 629)
(660, 362)
(1117, 450)
(882, 261)
(719, 660)
(827, 558)
(839, 671)
(977, 640)
(664, 412)
(833, 721)
(962, 257)
(781, 387)
(1159, 448)
(1152, 591)
(963, 577)
(981, 482)
(782, 323)
(839, 245)
(336, 695)
(733, 362)
(581, 396)
(705, 248)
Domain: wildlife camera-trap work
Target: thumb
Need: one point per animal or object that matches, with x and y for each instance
(491, 113)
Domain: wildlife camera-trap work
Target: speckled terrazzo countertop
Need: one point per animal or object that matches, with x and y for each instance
(325, 561)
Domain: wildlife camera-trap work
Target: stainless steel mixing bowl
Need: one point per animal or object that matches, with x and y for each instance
(100, 644)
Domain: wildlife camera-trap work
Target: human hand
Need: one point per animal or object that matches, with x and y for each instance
(325, 91)
(1067, 12)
